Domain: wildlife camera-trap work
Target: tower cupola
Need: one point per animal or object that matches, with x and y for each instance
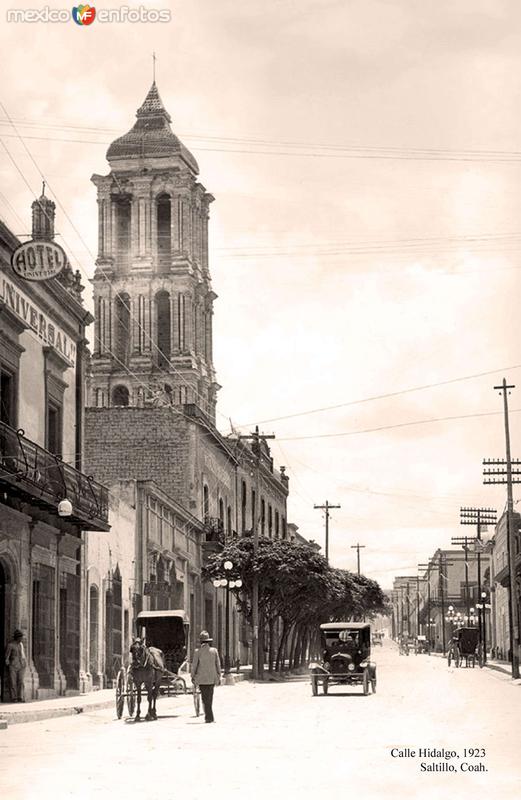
(43, 212)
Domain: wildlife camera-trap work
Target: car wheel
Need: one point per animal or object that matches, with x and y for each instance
(325, 685)
(365, 684)
(314, 685)
(373, 685)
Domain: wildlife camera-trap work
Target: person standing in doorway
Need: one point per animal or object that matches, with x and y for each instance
(206, 672)
(16, 662)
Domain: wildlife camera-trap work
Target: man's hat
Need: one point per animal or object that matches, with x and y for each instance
(18, 634)
(204, 636)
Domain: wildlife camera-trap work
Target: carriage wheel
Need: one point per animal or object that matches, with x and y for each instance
(131, 695)
(314, 685)
(197, 701)
(120, 693)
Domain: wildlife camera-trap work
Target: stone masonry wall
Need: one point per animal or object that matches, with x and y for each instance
(141, 444)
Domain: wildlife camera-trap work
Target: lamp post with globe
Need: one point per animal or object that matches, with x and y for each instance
(227, 582)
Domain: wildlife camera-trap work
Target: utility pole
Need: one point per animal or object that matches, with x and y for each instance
(327, 505)
(255, 438)
(441, 564)
(501, 472)
(479, 517)
(358, 547)
(407, 579)
(428, 567)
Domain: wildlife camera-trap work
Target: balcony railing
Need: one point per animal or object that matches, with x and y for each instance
(214, 530)
(32, 472)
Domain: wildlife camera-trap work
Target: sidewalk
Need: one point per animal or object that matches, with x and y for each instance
(35, 710)
(499, 666)
(56, 707)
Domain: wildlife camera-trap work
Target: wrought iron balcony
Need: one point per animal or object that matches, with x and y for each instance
(41, 478)
(214, 530)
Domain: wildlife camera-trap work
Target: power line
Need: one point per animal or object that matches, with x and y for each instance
(397, 425)
(300, 149)
(385, 396)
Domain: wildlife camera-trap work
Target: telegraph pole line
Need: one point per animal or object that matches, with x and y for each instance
(257, 658)
(428, 567)
(479, 517)
(327, 505)
(501, 472)
(358, 547)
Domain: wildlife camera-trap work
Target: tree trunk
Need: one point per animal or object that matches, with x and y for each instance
(271, 634)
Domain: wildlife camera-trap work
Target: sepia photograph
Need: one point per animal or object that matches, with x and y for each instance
(260, 377)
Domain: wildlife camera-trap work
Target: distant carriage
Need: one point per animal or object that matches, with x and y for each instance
(465, 645)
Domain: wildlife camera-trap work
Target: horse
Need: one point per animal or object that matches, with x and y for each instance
(148, 665)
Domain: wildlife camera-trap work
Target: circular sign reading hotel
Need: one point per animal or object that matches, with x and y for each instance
(38, 260)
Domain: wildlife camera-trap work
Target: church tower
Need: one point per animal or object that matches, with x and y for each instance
(152, 292)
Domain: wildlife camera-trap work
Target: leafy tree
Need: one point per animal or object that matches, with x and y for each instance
(297, 591)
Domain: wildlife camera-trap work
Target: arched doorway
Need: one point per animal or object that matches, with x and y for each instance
(5, 623)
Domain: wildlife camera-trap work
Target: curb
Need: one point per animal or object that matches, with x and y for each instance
(38, 714)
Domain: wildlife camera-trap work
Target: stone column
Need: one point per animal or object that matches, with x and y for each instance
(174, 335)
(153, 232)
(134, 228)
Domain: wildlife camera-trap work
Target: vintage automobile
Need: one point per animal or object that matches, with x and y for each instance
(346, 653)
(377, 638)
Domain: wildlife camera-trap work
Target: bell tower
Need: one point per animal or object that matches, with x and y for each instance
(152, 291)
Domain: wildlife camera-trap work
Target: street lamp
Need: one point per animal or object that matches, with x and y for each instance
(451, 616)
(483, 606)
(227, 583)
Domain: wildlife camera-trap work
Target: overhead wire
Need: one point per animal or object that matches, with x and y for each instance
(396, 425)
(384, 396)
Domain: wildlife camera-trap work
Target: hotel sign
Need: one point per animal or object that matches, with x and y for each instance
(42, 325)
(38, 260)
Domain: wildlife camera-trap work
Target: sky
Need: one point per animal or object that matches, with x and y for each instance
(365, 239)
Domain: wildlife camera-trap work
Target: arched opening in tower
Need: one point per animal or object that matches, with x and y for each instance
(122, 329)
(164, 230)
(120, 396)
(123, 215)
(164, 328)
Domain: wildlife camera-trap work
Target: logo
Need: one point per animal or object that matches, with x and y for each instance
(84, 15)
(38, 261)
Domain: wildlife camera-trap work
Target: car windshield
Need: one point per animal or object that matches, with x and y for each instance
(351, 641)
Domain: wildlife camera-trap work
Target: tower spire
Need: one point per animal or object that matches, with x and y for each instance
(154, 66)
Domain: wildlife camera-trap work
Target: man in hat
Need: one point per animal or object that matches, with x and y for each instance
(16, 662)
(206, 672)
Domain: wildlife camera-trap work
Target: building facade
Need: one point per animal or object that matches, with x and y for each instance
(500, 584)
(46, 500)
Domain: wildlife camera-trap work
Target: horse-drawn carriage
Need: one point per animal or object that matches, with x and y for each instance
(465, 644)
(158, 652)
